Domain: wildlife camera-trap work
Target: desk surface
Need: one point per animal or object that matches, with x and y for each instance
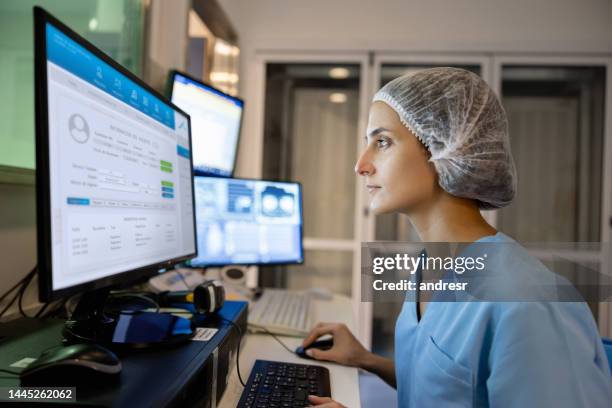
(344, 380)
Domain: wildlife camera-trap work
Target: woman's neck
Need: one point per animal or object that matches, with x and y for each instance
(449, 219)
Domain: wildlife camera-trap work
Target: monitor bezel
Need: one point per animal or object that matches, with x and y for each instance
(170, 92)
(43, 193)
(302, 257)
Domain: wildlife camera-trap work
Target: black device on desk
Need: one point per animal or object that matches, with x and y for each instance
(194, 373)
(114, 183)
(71, 365)
(324, 344)
(275, 384)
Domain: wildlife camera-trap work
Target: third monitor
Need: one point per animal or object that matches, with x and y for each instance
(247, 222)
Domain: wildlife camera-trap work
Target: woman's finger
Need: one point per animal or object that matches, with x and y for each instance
(314, 399)
(318, 331)
(318, 354)
(323, 402)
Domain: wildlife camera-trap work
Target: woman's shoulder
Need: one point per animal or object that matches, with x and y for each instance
(510, 273)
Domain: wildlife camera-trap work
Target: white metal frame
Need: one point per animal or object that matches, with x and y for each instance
(258, 67)
(605, 308)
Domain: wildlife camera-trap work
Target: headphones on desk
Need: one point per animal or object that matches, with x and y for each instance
(208, 297)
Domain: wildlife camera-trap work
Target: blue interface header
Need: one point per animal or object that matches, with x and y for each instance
(71, 56)
(187, 81)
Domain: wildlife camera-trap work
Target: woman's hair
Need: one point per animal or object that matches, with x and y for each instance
(459, 119)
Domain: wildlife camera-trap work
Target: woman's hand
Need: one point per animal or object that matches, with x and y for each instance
(346, 350)
(324, 402)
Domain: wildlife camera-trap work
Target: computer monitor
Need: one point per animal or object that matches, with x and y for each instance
(113, 169)
(248, 222)
(215, 119)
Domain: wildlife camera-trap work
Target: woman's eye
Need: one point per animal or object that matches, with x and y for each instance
(382, 143)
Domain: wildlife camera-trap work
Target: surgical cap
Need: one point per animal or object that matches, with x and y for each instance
(459, 119)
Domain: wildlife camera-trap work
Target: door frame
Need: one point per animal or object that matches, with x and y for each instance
(605, 308)
(256, 70)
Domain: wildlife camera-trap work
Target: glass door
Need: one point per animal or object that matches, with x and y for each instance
(312, 126)
(560, 136)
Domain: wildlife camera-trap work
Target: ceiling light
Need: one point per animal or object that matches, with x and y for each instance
(220, 76)
(339, 73)
(93, 24)
(337, 97)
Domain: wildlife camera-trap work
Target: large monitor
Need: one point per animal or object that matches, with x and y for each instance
(215, 119)
(248, 222)
(114, 173)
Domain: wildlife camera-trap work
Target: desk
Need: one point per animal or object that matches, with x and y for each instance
(344, 380)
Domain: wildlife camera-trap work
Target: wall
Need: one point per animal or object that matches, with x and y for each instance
(17, 236)
(336, 26)
(454, 25)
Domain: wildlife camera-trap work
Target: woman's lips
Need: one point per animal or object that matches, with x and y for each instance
(372, 188)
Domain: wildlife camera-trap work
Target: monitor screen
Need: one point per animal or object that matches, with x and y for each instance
(215, 124)
(114, 160)
(248, 222)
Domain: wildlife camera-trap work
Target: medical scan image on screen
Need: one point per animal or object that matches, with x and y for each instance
(247, 222)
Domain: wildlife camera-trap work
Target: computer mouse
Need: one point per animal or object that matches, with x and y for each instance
(325, 344)
(72, 365)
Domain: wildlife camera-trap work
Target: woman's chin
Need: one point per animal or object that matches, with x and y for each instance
(380, 209)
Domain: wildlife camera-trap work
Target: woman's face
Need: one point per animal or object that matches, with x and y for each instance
(395, 164)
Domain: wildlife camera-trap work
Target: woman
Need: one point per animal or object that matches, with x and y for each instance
(438, 151)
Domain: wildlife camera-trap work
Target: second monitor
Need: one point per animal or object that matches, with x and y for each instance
(247, 222)
(215, 123)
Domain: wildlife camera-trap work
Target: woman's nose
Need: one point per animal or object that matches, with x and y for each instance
(364, 166)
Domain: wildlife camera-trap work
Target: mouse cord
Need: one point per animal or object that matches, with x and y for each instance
(180, 274)
(275, 337)
(237, 348)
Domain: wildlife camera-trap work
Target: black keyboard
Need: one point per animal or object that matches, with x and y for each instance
(274, 384)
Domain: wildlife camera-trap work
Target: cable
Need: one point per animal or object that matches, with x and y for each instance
(180, 274)
(275, 338)
(237, 348)
(19, 285)
(21, 293)
(41, 310)
(2, 370)
(10, 303)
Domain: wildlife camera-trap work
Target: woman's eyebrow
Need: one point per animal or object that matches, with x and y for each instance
(376, 131)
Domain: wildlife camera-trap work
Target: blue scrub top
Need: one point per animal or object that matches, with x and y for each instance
(501, 354)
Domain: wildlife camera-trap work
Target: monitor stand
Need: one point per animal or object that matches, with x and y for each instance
(126, 328)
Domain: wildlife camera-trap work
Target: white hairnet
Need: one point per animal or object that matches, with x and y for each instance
(455, 114)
